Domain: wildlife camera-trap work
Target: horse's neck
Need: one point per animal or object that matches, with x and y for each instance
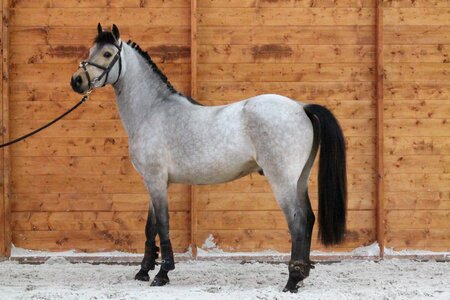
(138, 90)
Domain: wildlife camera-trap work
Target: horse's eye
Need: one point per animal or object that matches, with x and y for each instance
(107, 54)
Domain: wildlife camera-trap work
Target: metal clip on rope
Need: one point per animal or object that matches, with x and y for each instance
(82, 100)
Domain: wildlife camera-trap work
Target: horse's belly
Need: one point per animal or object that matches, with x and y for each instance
(213, 172)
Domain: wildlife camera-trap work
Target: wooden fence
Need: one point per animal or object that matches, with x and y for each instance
(381, 66)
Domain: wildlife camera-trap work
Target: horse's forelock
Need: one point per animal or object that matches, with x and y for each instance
(105, 37)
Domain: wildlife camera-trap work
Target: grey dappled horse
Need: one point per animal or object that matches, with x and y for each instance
(173, 139)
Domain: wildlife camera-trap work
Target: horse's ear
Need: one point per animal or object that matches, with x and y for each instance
(99, 28)
(115, 32)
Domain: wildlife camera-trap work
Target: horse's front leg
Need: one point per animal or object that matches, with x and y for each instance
(160, 204)
(151, 250)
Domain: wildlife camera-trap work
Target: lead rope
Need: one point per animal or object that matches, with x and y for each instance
(85, 97)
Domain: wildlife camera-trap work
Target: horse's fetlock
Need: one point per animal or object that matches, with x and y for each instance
(299, 269)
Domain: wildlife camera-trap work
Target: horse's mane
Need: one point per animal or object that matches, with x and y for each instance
(157, 71)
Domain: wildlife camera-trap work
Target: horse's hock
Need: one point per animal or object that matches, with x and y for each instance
(73, 187)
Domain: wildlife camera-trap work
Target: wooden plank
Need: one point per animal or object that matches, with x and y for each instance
(77, 184)
(420, 109)
(89, 16)
(417, 34)
(417, 53)
(231, 220)
(90, 166)
(5, 212)
(285, 16)
(61, 91)
(93, 240)
(417, 90)
(418, 182)
(109, 221)
(286, 72)
(414, 16)
(72, 54)
(2, 192)
(63, 72)
(286, 3)
(72, 128)
(120, 3)
(147, 35)
(285, 53)
(250, 184)
(219, 201)
(254, 240)
(417, 72)
(67, 146)
(418, 219)
(286, 35)
(417, 145)
(98, 3)
(178, 201)
(415, 200)
(417, 3)
(194, 55)
(433, 239)
(417, 127)
(379, 151)
(430, 164)
(48, 110)
(303, 91)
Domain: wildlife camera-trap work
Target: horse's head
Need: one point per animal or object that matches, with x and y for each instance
(104, 64)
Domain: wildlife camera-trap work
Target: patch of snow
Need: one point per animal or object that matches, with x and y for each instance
(20, 252)
(363, 251)
(392, 252)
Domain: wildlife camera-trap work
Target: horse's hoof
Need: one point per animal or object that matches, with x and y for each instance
(291, 289)
(142, 276)
(160, 281)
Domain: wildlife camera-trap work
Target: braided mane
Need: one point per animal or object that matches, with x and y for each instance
(157, 71)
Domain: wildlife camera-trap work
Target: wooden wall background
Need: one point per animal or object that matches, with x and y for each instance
(417, 124)
(73, 187)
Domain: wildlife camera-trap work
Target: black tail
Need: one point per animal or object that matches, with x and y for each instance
(332, 177)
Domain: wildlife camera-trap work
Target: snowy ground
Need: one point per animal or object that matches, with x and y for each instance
(350, 279)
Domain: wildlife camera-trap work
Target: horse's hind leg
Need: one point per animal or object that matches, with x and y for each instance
(151, 250)
(294, 202)
(291, 193)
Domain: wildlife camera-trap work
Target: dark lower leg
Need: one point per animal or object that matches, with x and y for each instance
(300, 263)
(151, 250)
(167, 264)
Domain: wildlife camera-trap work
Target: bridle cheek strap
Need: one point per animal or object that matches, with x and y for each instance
(106, 70)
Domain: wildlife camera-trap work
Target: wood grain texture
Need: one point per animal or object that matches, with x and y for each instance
(417, 132)
(379, 152)
(73, 185)
(5, 210)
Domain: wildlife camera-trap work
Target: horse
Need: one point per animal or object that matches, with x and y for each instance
(174, 139)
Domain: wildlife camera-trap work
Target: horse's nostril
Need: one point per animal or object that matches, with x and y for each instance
(76, 83)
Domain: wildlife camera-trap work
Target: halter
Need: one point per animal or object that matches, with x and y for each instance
(106, 70)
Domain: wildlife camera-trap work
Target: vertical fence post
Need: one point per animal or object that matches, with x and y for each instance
(194, 95)
(380, 228)
(5, 209)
